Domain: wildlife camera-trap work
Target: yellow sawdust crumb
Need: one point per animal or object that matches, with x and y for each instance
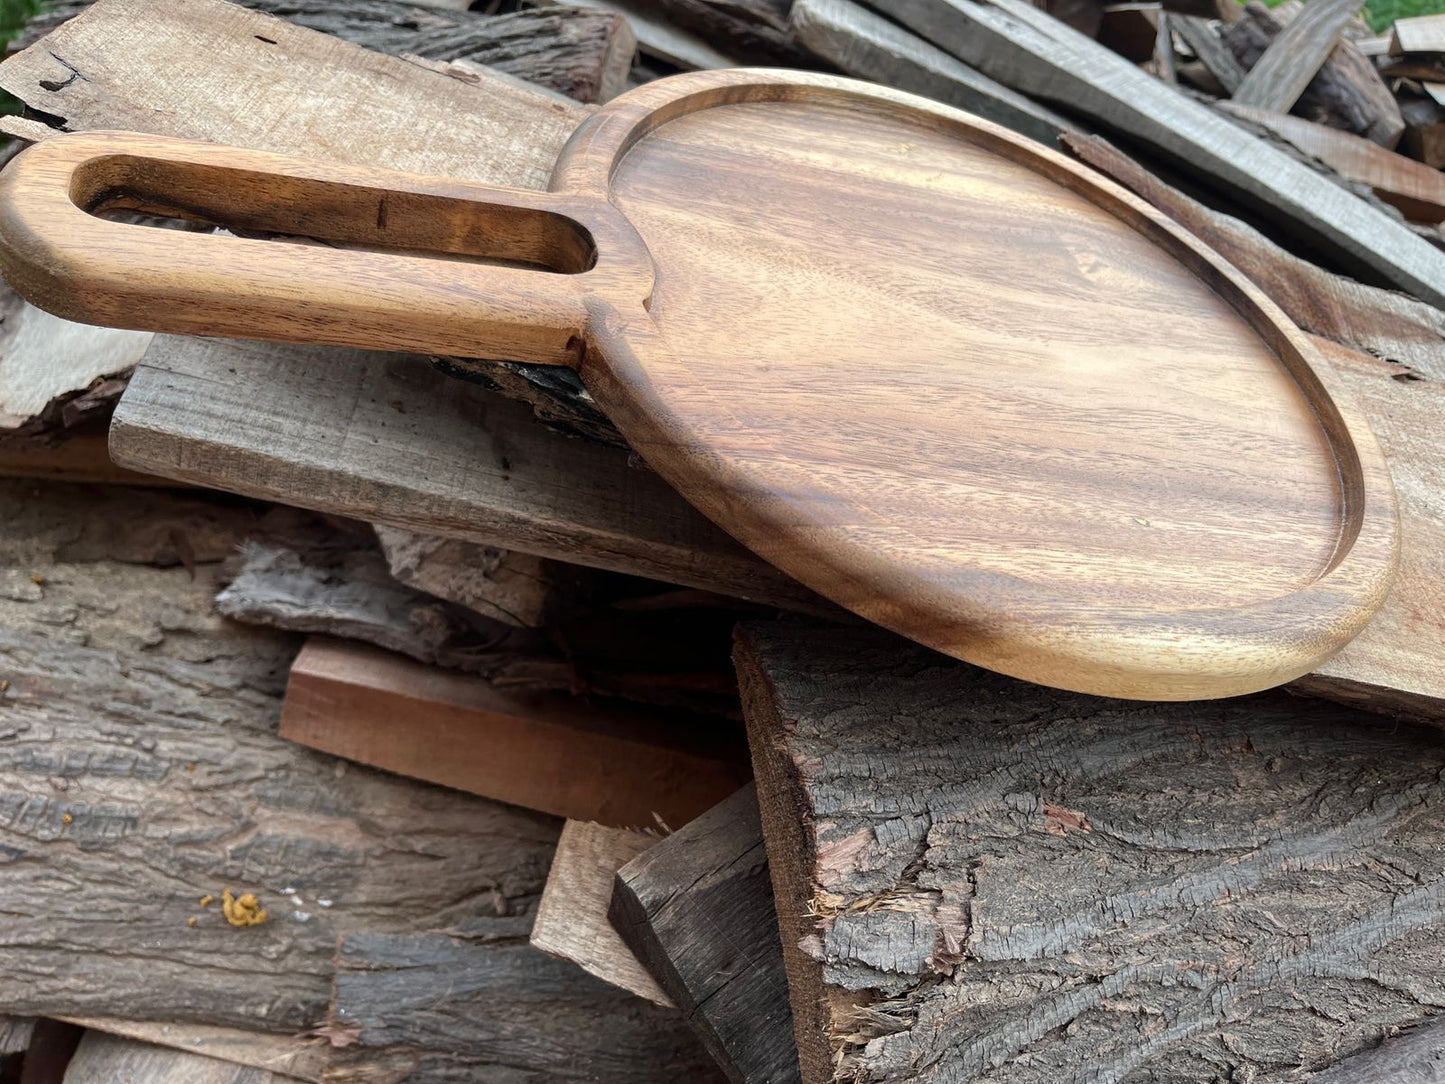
(191, 921)
(4, 684)
(37, 579)
(243, 910)
(66, 818)
(207, 900)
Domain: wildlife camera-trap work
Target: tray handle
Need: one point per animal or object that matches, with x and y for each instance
(430, 265)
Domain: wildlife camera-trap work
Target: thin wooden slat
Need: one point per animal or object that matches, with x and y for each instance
(1203, 39)
(620, 766)
(572, 917)
(110, 1059)
(697, 909)
(1024, 48)
(1280, 76)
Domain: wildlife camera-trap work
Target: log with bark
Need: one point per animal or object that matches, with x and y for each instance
(983, 880)
(140, 771)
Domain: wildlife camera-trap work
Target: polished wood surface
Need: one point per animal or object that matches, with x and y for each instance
(1128, 475)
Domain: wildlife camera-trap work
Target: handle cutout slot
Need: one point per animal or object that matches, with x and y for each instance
(334, 212)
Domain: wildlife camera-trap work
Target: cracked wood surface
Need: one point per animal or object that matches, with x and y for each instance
(140, 770)
(983, 880)
(697, 910)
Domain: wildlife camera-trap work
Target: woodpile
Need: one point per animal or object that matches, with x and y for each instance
(377, 717)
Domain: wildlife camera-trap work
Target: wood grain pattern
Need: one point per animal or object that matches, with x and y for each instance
(1178, 570)
(621, 766)
(572, 917)
(1283, 71)
(697, 909)
(110, 1059)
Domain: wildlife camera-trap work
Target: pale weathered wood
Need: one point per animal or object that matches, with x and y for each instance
(1346, 92)
(1417, 190)
(1277, 539)
(697, 909)
(618, 764)
(1398, 663)
(1416, 1056)
(303, 1057)
(109, 1059)
(15, 1031)
(981, 880)
(582, 53)
(1421, 34)
(572, 917)
(1025, 49)
(1285, 68)
(753, 31)
(140, 770)
(868, 46)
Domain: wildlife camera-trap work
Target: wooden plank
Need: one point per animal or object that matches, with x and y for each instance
(1420, 34)
(1396, 374)
(1417, 190)
(753, 31)
(978, 879)
(622, 766)
(1025, 49)
(140, 768)
(572, 917)
(584, 53)
(868, 46)
(1281, 74)
(109, 1059)
(1346, 92)
(698, 910)
(1415, 1057)
(82, 458)
(391, 440)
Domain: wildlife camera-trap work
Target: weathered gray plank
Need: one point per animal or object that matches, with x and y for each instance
(1286, 67)
(697, 909)
(983, 880)
(868, 46)
(1201, 37)
(1037, 55)
(391, 440)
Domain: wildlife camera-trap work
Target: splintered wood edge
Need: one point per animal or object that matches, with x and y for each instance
(792, 856)
(1188, 655)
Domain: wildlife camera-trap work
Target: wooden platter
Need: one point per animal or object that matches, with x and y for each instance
(941, 375)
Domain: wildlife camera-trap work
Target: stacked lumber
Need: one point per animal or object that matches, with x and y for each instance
(383, 717)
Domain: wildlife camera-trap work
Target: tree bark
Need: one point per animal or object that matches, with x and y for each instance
(980, 879)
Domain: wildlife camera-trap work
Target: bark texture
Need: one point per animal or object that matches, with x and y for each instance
(980, 879)
(140, 771)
